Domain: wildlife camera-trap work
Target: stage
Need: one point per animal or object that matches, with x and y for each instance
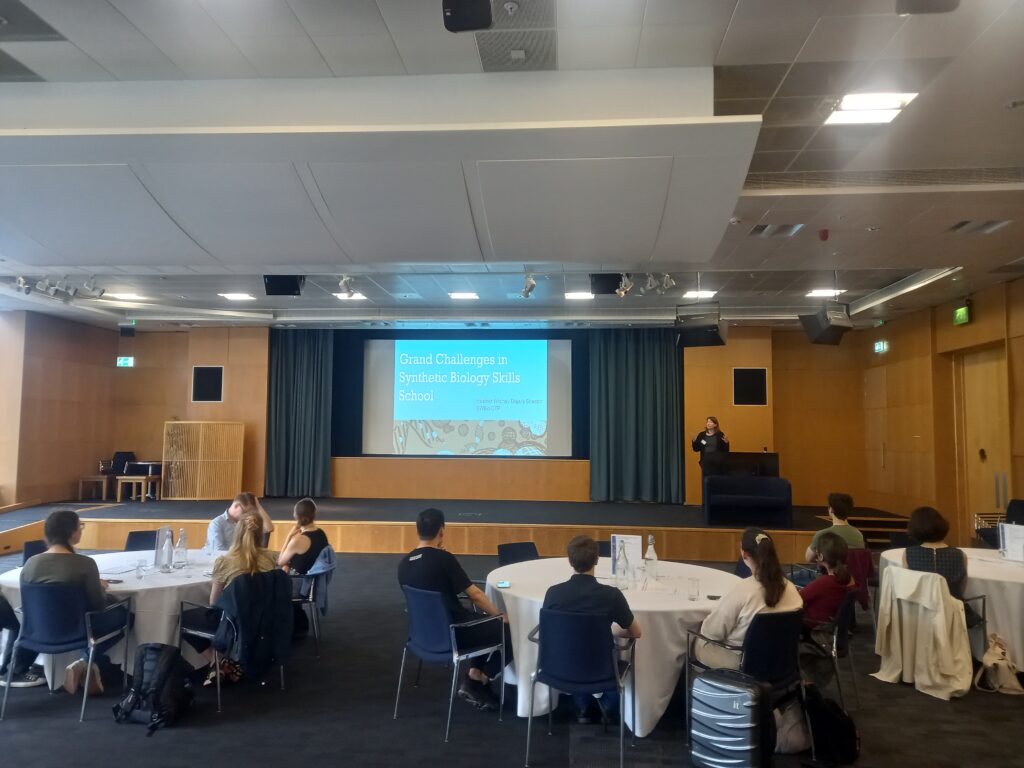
(474, 527)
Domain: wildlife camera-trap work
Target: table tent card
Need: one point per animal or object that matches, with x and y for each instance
(1011, 541)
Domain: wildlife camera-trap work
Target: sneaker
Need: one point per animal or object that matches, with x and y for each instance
(479, 695)
(30, 678)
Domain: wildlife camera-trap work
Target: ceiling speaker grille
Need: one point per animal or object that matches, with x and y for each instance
(912, 178)
(528, 14)
(498, 50)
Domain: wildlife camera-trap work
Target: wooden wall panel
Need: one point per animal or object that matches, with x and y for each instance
(988, 321)
(819, 415)
(707, 391)
(12, 352)
(460, 478)
(13, 539)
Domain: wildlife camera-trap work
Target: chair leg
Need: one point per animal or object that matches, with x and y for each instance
(7, 688)
(282, 677)
(853, 676)
(401, 670)
(124, 669)
(622, 729)
(216, 667)
(88, 678)
(632, 731)
(419, 668)
(314, 619)
(839, 684)
(552, 702)
(451, 700)
(529, 723)
(807, 721)
(689, 701)
(501, 684)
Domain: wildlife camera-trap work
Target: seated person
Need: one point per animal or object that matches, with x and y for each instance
(583, 594)
(928, 527)
(305, 541)
(840, 505)
(26, 674)
(221, 532)
(766, 590)
(823, 596)
(429, 567)
(246, 556)
(60, 564)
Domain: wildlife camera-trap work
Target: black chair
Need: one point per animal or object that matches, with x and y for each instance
(434, 637)
(742, 570)
(899, 540)
(517, 552)
(308, 599)
(770, 653)
(56, 619)
(32, 548)
(120, 462)
(604, 548)
(140, 541)
(579, 654)
(839, 646)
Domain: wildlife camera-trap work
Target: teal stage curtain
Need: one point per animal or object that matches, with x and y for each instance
(636, 394)
(299, 413)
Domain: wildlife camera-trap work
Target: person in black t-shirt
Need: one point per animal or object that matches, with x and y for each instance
(583, 594)
(430, 567)
(710, 444)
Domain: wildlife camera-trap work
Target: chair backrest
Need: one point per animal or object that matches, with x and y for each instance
(862, 568)
(844, 620)
(517, 552)
(53, 617)
(741, 569)
(139, 541)
(1015, 512)
(576, 649)
(771, 648)
(900, 539)
(120, 461)
(30, 548)
(429, 621)
(604, 548)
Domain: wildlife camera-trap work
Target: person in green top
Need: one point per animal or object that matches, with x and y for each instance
(840, 505)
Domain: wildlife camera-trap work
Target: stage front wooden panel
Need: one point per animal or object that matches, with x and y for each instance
(13, 539)
(202, 459)
(452, 477)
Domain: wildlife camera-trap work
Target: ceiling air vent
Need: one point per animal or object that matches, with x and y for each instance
(775, 230)
(978, 227)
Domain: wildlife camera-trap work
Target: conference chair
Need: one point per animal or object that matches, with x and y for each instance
(434, 637)
(516, 552)
(861, 564)
(31, 548)
(604, 548)
(140, 541)
(770, 653)
(578, 654)
(839, 645)
(55, 620)
(308, 591)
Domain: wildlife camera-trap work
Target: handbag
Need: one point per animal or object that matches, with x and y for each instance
(997, 674)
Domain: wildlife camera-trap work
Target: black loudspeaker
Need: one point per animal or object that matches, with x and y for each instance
(700, 330)
(207, 383)
(605, 284)
(284, 285)
(466, 15)
(750, 386)
(828, 325)
(127, 333)
(911, 7)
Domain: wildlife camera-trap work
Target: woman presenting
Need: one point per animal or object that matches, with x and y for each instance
(711, 441)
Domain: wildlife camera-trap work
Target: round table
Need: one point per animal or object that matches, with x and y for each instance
(155, 598)
(662, 607)
(1002, 583)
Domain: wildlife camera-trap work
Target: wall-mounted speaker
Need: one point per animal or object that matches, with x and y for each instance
(207, 383)
(701, 329)
(283, 285)
(828, 325)
(605, 284)
(466, 15)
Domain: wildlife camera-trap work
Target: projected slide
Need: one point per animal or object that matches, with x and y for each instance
(466, 397)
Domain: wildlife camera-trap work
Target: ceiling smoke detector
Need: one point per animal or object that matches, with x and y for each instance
(511, 7)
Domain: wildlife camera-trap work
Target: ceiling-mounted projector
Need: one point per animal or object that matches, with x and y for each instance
(700, 326)
(827, 325)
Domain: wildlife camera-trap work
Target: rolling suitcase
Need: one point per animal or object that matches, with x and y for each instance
(730, 725)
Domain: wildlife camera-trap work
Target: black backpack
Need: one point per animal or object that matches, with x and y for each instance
(836, 740)
(161, 691)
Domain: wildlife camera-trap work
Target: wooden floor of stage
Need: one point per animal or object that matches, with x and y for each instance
(474, 527)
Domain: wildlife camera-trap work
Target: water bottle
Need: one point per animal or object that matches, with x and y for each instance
(166, 553)
(621, 566)
(651, 559)
(181, 550)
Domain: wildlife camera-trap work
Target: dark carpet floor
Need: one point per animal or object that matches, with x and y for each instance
(336, 711)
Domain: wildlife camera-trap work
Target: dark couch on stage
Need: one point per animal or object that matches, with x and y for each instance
(748, 500)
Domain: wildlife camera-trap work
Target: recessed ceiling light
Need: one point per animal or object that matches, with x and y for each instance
(825, 293)
(699, 294)
(579, 295)
(353, 297)
(237, 296)
(860, 108)
(126, 296)
(463, 296)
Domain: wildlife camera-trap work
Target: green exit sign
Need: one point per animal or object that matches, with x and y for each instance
(962, 315)
(126, 362)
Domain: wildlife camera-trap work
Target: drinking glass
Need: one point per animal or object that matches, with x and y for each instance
(693, 588)
(140, 569)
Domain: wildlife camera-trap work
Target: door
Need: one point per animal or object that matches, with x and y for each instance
(986, 456)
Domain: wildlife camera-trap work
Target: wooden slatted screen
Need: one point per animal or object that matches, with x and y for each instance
(202, 459)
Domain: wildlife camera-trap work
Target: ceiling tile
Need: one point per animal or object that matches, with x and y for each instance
(824, 78)
(822, 161)
(598, 48)
(748, 81)
(283, 56)
(845, 137)
(20, 24)
(740, 106)
(764, 41)
(422, 41)
(600, 13)
(58, 61)
(526, 14)
(777, 9)
(679, 45)
(699, 12)
(776, 139)
(325, 18)
(903, 76)
(253, 18)
(771, 162)
(798, 111)
(942, 35)
(357, 55)
(849, 38)
(13, 71)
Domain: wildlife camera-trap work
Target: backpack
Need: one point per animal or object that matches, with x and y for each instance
(835, 736)
(161, 691)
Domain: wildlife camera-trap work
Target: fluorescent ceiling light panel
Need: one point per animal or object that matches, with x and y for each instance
(825, 293)
(699, 294)
(125, 296)
(862, 117)
(861, 108)
(463, 296)
(353, 297)
(579, 295)
(237, 296)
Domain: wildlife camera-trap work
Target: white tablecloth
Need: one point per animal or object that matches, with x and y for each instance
(662, 608)
(156, 597)
(1002, 582)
